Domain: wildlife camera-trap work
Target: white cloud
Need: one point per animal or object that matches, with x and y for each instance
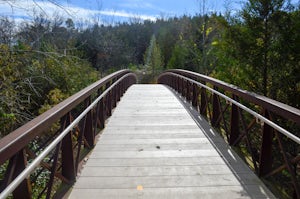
(27, 9)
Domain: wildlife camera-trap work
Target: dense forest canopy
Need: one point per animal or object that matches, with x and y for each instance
(43, 61)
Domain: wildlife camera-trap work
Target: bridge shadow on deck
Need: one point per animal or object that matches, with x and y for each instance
(251, 184)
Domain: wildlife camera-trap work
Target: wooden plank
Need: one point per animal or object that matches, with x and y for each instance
(152, 128)
(156, 181)
(196, 170)
(226, 192)
(121, 136)
(154, 154)
(152, 148)
(151, 121)
(183, 161)
(156, 141)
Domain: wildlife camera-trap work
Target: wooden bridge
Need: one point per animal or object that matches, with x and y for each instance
(177, 139)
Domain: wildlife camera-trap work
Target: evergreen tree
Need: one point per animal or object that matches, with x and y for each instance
(153, 58)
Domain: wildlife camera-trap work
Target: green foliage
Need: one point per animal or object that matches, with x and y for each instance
(258, 50)
(179, 57)
(153, 58)
(31, 78)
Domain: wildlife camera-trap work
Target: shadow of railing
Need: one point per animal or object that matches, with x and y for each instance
(251, 124)
(248, 180)
(41, 158)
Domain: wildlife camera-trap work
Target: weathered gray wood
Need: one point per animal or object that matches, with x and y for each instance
(114, 162)
(156, 141)
(196, 170)
(152, 148)
(120, 136)
(132, 182)
(154, 154)
(228, 192)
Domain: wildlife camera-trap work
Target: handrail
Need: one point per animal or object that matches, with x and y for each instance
(9, 189)
(18, 139)
(281, 109)
(256, 115)
(268, 148)
(62, 152)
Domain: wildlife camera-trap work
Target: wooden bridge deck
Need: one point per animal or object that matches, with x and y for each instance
(153, 148)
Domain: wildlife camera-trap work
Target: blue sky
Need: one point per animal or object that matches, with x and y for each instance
(155, 8)
(106, 11)
(111, 11)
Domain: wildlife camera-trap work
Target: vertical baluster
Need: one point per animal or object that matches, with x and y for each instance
(216, 109)
(67, 155)
(177, 84)
(110, 105)
(265, 160)
(188, 91)
(101, 114)
(234, 123)
(53, 170)
(122, 87)
(115, 95)
(15, 166)
(203, 103)
(108, 100)
(184, 88)
(195, 95)
(114, 101)
(88, 129)
(118, 92)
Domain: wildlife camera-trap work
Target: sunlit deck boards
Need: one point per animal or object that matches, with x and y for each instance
(152, 148)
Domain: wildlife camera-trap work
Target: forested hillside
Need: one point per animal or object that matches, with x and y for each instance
(43, 61)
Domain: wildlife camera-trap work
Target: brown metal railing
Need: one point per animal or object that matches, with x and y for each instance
(52, 146)
(254, 125)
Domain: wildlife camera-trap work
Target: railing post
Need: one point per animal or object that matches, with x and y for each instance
(188, 91)
(67, 155)
(216, 109)
(172, 82)
(234, 123)
(15, 166)
(265, 160)
(101, 114)
(184, 86)
(122, 87)
(195, 95)
(114, 96)
(203, 103)
(118, 95)
(177, 83)
(181, 86)
(53, 170)
(88, 130)
(109, 104)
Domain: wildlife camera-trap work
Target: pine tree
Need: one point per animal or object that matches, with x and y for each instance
(153, 57)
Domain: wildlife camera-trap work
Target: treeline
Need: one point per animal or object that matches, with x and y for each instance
(44, 61)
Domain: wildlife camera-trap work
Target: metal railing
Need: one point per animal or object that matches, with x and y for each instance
(254, 125)
(41, 159)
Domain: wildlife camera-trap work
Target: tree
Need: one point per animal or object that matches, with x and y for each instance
(153, 58)
(260, 27)
(6, 31)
